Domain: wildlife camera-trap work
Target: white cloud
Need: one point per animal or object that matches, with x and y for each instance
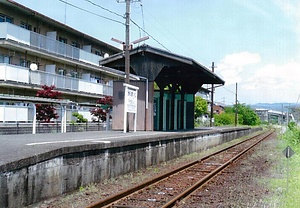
(274, 83)
(233, 67)
(260, 83)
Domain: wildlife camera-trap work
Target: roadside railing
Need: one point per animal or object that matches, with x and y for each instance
(55, 127)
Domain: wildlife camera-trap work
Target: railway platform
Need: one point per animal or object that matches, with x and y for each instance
(36, 167)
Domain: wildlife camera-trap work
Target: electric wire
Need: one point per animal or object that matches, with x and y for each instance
(108, 10)
(150, 35)
(223, 87)
(169, 33)
(140, 28)
(77, 7)
(175, 40)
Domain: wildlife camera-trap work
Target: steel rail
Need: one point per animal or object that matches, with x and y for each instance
(210, 176)
(116, 197)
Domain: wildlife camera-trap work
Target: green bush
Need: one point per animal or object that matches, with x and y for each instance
(80, 118)
(224, 119)
(292, 135)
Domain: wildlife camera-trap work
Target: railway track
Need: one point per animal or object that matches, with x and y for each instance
(170, 188)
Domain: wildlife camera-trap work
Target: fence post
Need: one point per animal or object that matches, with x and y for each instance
(86, 126)
(17, 127)
(57, 127)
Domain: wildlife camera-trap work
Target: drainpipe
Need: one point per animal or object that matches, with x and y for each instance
(147, 96)
(34, 119)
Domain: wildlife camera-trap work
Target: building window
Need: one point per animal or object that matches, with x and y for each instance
(62, 39)
(73, 74)
(26, 26)
(4, 18)
(37, 30)
(4, 59)
(97, 52)
(75, 44)
(61, 71)
(24, 63)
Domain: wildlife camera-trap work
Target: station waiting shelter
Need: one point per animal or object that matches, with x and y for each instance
(167, 86)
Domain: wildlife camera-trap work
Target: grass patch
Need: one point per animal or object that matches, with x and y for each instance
(285, 181)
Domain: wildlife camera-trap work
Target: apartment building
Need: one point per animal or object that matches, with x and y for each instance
(60, 56)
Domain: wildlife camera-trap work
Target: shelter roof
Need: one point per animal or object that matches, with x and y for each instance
(165, 68)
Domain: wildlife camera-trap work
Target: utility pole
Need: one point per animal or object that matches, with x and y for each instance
(212, 99)
(236, 106)
(127, 41)
(127, 45)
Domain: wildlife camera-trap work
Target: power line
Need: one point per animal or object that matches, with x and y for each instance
(228, 90)
(122, 23)
(150, 35)
(169, 33)
(91, 12)
(112, 12)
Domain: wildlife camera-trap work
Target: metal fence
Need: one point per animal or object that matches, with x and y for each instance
(55, 127)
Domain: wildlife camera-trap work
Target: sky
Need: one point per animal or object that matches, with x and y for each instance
(253, 43)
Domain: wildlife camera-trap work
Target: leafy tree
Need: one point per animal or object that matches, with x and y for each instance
(105, 106)
(46, 112)
(249, 116)
(231, 110)
(246, 115)
(200, 106)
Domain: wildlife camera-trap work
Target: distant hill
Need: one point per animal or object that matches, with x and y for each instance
(274, 106)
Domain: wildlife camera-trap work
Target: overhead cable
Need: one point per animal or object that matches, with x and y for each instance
(97, 5)
(92, 12)
(124, 24)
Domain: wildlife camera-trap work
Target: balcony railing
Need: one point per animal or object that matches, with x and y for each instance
(13, 32)
(25, 75)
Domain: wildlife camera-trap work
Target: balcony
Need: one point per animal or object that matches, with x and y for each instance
(13, 32)
(25, 75)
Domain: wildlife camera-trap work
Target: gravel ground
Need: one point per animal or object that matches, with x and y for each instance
(248, 187)
(244, 184)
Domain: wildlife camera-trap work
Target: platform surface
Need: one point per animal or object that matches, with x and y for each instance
(17, 151)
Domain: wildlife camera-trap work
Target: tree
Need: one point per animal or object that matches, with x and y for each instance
(200, 106)
(46, 112)
(246, 116)
(249, 116)
(105, 105)
(224, 119)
